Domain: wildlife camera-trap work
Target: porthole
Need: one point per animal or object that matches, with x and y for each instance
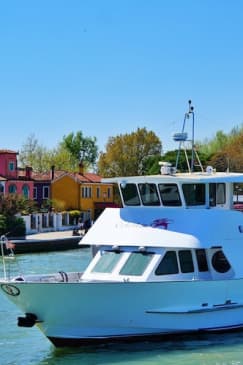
(220, 262)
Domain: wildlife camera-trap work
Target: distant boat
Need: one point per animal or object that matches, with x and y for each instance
(46, 243)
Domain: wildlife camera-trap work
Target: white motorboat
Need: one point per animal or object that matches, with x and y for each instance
(169, 261)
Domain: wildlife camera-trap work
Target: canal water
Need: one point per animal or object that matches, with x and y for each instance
(24, 346)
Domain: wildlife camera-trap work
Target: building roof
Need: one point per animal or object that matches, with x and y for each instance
(47, 176)
(3, 151)
(2, 178)
(87, 177)
(81, 178)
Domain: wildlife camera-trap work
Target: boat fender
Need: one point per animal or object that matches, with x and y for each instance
(29, 320)
(64, 276)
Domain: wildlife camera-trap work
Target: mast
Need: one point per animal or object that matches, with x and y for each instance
(182, 138)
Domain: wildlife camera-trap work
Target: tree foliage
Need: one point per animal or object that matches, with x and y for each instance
(231, 156)
(33, 154)
(9, 223)
(66, 156)
(80, 148)
(11, 204)
(225, 151)
(12, 226)
(128, 154)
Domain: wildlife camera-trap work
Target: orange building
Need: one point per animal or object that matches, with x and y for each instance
(83, 191)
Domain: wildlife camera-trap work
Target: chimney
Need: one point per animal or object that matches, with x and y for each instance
(52, 172)
(81, 167)
(28, 172)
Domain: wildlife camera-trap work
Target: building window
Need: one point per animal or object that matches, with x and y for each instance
(11, 166)
(86, 192)
(25, 191)
(45, 192)
(98, 192)
(12, 189)
(35, 192)
(109, 193)
(1, 188)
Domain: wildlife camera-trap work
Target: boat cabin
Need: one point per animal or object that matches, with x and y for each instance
(127, 263)
(197, 190)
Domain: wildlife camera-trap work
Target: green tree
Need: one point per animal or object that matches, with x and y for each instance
(231, 157)
(9, 223)
(80, 148)
(66, 156)
(128, 154)
(215, 145)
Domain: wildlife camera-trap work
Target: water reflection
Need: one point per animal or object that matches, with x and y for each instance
(222, 349)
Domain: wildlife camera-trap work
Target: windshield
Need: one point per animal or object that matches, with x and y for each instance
(107, 262)
(136, 264)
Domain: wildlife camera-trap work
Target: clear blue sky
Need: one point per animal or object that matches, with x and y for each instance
(107, 67)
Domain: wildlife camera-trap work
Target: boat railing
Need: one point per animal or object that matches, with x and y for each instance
(58, 277)
(6, 252)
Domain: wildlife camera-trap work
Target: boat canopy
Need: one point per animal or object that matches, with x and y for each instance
(111, 229)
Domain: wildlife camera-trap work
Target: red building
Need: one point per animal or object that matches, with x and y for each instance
(12, 179)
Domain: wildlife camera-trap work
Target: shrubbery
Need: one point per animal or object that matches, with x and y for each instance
(12, 226)
(74, 215)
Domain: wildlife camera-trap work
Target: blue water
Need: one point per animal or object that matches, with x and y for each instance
(23, 346)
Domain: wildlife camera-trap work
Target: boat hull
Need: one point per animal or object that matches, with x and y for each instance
(81, 313)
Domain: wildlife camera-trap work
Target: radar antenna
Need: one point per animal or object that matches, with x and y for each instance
(182, 138)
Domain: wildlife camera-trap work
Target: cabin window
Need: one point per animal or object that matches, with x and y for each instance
(202, 260)
(194, 194)
(107, 262)
(238, 193)
(168, 264)
(220, 262)
(186, 263)
(149, 194)
(216, 193)
(130, 194)
(136, 264)
(169, 195)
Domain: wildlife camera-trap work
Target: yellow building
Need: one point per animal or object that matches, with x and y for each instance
(82, 191)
